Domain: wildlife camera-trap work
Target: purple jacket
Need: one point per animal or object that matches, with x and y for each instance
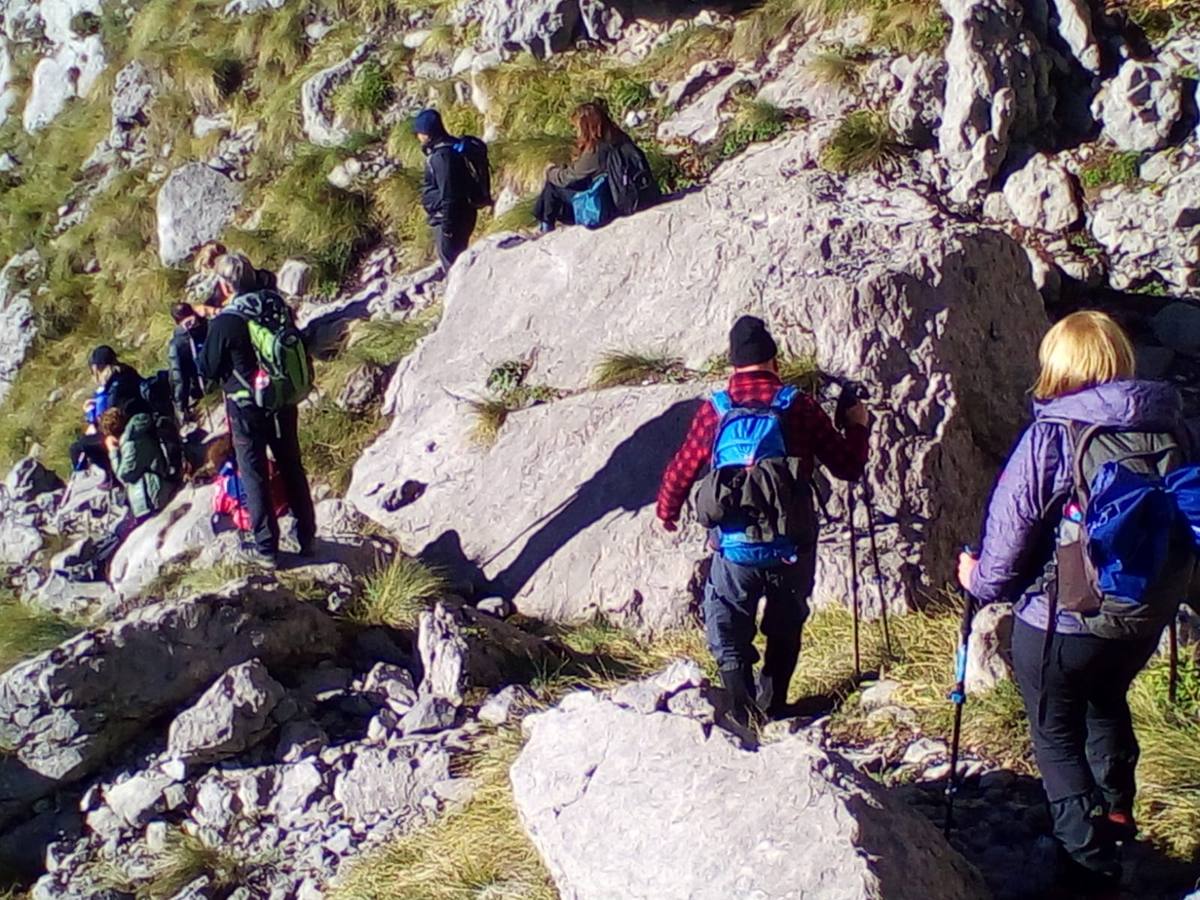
(1017, 541)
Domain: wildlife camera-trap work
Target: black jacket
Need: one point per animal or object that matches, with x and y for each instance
(181, 363)
(446, 191)
(124, 390)
(227, 349)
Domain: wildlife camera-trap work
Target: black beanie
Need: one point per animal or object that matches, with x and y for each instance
(103, 357)
(749, 343)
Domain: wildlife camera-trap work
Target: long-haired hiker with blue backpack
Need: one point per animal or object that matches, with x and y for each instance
(1085, 534)
(762, 439)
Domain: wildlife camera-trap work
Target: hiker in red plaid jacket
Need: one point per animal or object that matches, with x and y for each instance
(734, 589)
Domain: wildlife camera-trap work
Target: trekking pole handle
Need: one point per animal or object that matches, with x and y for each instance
(959, 694)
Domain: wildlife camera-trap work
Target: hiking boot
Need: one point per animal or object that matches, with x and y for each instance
(1118, 826)
(256, 559)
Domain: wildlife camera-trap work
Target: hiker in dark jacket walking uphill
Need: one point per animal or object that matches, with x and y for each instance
(118, 387)
(1074, 681)
(186, 387)
(229, 357)
(448, 189)
(781, 433)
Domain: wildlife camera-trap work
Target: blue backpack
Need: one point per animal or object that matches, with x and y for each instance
(1129, 535)
(761, 509)
(594, 207)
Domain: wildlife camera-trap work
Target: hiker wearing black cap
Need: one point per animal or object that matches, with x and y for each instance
(191, 329)
(762, 439)
(457, 184)
(118, 386)
(229, 357)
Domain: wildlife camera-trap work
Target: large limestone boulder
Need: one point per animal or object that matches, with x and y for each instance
(997, 90)
(639, 795)
(1140, 107)
(539, 27)
(942, 321)
(320, 121)
(194, 205)
(229, 717)
(65, 712)
(8, 73)
(70, 72)
(18, 324)
(1152, 232)
(1042, 194)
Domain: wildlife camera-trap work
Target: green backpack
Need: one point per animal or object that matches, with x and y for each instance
(285, 376)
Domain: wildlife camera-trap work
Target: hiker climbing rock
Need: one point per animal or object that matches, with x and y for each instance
(186, 387)
(609, 175)
(762, 439)
(457, 184)
(256, 354)
(1086, 535)
(118, 387)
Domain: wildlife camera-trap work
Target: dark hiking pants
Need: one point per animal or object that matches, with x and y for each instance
(254, 431)
(453, 234)
(731, 598)
(89, 450)
(554, 205)
(1083, 740)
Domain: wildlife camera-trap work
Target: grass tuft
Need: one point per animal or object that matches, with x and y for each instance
(624, 368)
(862, 141)
(837, 66)
(360, 100)
(187, 858)
(488, 416)
(396, 595)
(1109, 168)
(756, 121)
(28, 632)
(801, 372)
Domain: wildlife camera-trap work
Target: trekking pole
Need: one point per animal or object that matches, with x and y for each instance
(853, 576)
(883, 607)
(1173, 659)
(958, 696)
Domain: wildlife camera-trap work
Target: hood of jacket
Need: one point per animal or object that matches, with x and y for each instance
(1132, 404)
(140, 428)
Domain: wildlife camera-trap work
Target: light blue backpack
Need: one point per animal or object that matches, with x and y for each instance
(594, 206)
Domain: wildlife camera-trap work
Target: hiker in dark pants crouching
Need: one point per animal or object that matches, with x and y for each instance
(796, 432)
(1073, 664)
(228, 356)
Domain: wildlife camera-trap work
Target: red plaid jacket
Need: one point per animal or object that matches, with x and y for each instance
(808, 432)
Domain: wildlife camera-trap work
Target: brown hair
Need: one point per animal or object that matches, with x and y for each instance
(207, 255)
(112, 422)
(593, 126)
(219, 452)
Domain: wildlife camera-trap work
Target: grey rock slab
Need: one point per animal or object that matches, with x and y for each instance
(294, 277)
(539, 27)
(997, 90)
(389, 683)
(69, 71)
(18, 323)
(231, 716)
(699, 817)
(1140, 107)
(386, 781)
(298, 739)
(65, 712)
(194, 205)
(133, 93)
(701, 120)
(698, 77)
(321, 124)
(299, 786)
(443, 650)
(501, 706)
(942, 318)
(878, 695)
(1042, 194)
(429, 714)
(916, 111)
(29, 479)
(137, 798)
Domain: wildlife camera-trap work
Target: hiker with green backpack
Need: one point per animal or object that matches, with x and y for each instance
(760, 440)
(256, 354)
(1091, 533)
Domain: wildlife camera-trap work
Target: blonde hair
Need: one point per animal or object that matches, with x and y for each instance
(1084, 349)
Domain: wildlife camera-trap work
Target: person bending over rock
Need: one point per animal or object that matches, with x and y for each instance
(1073, 658)
(230, 498)
(230, 359)
(137, 459)
(457, 184)
(186, 387)
(596, 137)
(761, 440)
(118, 386)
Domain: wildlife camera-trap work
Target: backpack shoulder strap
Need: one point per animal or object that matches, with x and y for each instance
(722, 403)
(784, 398)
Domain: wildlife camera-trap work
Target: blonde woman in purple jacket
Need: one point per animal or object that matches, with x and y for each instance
(1083, 735)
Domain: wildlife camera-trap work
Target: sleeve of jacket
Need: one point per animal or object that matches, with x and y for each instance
(125, 461)
(583, 169)
(844, 454)
(179, 386)
(685, 467)
(1016, 513)
(433, 190)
